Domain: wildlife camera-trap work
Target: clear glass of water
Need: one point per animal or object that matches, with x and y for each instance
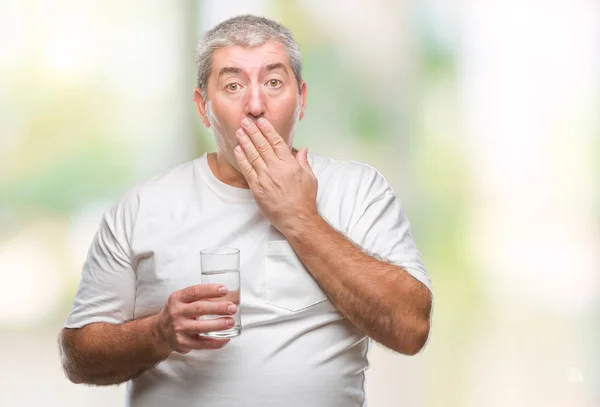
(221, 265)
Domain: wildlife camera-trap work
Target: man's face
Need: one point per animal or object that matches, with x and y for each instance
(250, 82)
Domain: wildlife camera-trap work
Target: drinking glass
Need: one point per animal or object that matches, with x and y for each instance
(221, 265)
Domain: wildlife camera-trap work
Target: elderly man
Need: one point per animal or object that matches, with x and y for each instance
(323, 268)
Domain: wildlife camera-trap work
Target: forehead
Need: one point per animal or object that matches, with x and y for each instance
(249, 58)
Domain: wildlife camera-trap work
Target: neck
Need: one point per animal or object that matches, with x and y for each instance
(228, 174)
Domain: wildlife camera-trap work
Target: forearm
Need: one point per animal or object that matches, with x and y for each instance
(381, 299)
(105, 354)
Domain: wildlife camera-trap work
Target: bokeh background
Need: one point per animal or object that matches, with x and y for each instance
(483, 114)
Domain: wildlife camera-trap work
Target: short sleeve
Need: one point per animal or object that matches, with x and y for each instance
(106, 291)
(384, 230)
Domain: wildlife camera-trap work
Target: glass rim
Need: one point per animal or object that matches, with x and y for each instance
(220, 251)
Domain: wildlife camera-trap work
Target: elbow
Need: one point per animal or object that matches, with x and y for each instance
(68, 362)
(72, 375)
(414, 340)
(411, 345)
(70, 371)
(416, 345)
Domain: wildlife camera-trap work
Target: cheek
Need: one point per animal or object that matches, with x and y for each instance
(284, 111)
(229, 113)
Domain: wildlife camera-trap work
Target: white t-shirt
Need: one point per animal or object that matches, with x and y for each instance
(296, 349)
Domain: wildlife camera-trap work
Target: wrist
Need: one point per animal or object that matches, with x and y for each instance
(160, 345)
(302, 225)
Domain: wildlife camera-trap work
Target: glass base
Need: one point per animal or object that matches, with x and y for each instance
(228, 333)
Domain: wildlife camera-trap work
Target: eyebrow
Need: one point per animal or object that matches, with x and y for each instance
(229, 69)
(277, 65)
(270, 67)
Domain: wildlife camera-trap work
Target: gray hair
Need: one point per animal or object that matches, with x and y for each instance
(247, 31)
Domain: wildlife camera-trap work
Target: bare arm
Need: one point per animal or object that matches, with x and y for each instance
(105, 354)
(381, 299)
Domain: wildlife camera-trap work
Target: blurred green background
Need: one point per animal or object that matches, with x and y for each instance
(483, 116)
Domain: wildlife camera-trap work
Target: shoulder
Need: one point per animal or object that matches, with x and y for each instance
(168, 180)
(157, 188)
(362, 178)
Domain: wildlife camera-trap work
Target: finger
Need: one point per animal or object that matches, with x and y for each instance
(202, 326)
(302, 158)
(199, 308)
(201, 291)
(212, 343)
(252, 154)
(280, 147)
(245, 167)
(202, 342)
(262, 145)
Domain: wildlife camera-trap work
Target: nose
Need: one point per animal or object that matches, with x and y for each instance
(255, 102)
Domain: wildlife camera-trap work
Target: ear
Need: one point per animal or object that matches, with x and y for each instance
(303, 99)
(201, 107)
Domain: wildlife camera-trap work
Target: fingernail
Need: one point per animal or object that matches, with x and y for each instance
(246, 122)
(231, 309)
(223, 290)
(230, 322)
(261, 122)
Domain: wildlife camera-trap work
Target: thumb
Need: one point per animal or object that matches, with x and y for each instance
(302, 157)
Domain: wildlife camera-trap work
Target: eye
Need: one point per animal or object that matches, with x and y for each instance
(274, 83)
(233, 87)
